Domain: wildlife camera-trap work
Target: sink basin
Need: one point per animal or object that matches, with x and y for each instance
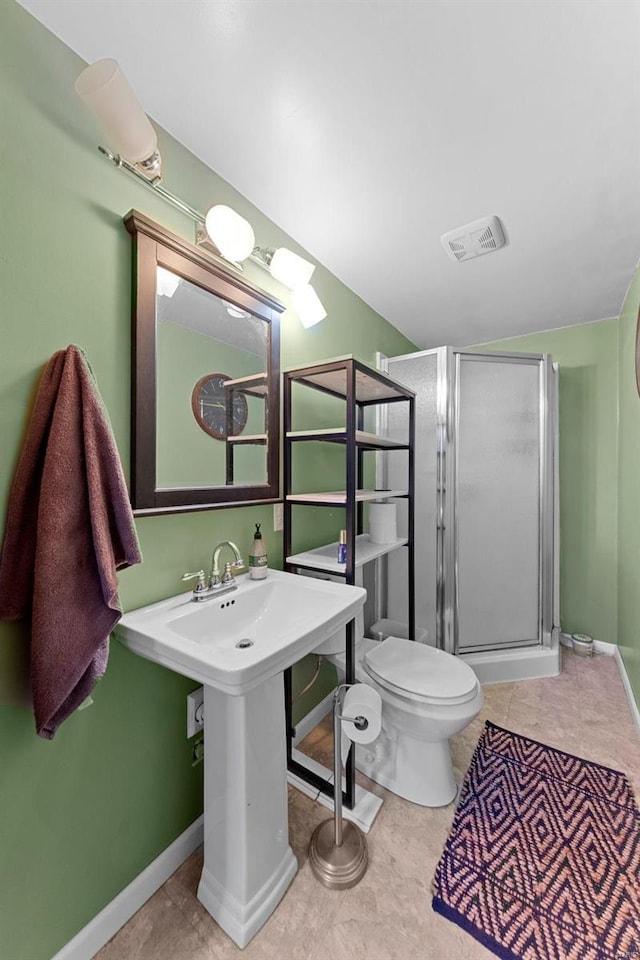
(236, 641)
(237, 645)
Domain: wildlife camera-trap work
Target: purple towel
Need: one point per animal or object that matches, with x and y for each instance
(69, 527)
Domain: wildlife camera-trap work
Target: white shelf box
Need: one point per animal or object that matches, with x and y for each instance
(372, 386)
(247, 438)
(338, 498)
(339, 435)
(256, 384)
(326, 557)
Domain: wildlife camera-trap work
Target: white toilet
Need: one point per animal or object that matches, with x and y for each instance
(427, 697)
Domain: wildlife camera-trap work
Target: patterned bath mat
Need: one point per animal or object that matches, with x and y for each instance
(543, 858)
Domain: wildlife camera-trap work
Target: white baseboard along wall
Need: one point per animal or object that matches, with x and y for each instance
(106, 924)
(612, 650)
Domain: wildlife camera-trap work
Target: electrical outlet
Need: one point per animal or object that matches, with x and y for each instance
(198, 752)
(278, 517)
(195, 712)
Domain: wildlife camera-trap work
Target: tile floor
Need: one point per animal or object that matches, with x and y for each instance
(388, 915)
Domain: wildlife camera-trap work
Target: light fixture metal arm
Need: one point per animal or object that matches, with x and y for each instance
(154, 184)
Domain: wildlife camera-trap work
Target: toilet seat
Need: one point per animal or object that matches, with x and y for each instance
(420, 672)
(427, 697)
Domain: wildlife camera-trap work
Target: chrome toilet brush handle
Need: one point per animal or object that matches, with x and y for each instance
(338, 856)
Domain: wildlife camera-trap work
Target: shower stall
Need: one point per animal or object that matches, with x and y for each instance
(485, 583)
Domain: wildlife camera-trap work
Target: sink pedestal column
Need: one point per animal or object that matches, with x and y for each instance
(248, 863)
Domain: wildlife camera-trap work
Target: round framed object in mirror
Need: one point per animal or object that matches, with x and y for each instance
(209, 404)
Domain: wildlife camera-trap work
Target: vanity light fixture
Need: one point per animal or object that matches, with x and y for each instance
(308, 305)
(288, 268)
(236, 312)
(105, 89)
(293, 272)
(231, 233)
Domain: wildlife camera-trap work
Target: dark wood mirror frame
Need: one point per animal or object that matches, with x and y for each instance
(154, 246)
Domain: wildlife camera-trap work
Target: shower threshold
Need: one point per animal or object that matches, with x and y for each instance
(525, 663)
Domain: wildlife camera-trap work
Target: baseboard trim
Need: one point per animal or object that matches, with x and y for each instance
(628, 689)
(613, 650)
(106, 924)
(605, 648)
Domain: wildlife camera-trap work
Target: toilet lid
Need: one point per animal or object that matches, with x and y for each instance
(420, 671)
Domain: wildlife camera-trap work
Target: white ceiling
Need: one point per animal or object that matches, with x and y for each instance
(367, 128)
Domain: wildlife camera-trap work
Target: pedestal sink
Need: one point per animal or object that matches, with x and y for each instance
(237, 645)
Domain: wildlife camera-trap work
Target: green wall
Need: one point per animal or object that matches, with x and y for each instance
(588, 359)
(599, 476)
(629, 491)
(84, 814)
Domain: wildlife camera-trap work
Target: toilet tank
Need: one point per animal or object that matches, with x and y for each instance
(335, 644)
(382, 629)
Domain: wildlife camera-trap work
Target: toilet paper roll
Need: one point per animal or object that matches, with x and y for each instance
(360, 700)
(383, 527)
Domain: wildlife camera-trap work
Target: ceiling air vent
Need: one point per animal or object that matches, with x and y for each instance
(474, 239)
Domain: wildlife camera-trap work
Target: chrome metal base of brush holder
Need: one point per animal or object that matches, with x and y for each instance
(338, 851)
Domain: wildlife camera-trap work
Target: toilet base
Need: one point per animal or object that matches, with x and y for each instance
(418, 770)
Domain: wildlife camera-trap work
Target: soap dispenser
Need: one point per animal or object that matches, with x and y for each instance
(258, 556)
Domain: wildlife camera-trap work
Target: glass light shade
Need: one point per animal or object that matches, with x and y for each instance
(166, 282)
(105, 89)
(308, 305)
(290, 269)
(231, 233)
(236, 312)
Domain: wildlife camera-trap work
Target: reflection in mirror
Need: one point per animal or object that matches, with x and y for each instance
(205, 397)
(211, 410)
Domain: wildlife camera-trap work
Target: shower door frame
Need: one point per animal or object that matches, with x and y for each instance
(445, 588)
(447, 439)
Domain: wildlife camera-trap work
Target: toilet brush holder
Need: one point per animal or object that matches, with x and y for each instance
(338, 849)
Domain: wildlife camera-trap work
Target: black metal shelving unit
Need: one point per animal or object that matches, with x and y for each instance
(256, 385)
(361, 387)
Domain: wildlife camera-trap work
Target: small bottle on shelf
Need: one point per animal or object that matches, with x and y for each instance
(342, 547)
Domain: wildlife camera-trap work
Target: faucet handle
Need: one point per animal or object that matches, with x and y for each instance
(199, 576)
(228, 572)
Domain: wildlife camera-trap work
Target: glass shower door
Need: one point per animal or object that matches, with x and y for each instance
(484, 504)
(499, 475)
(422, 373)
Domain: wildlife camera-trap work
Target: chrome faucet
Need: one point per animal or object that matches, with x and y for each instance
(217, 585)
(227, 578)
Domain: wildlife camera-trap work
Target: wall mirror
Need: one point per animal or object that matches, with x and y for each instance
(205, 379)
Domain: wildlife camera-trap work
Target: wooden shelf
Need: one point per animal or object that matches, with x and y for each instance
(248, 438)
(371, 386)
(325, 557)
(338, 498)
(367, 441)
(256, 385)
